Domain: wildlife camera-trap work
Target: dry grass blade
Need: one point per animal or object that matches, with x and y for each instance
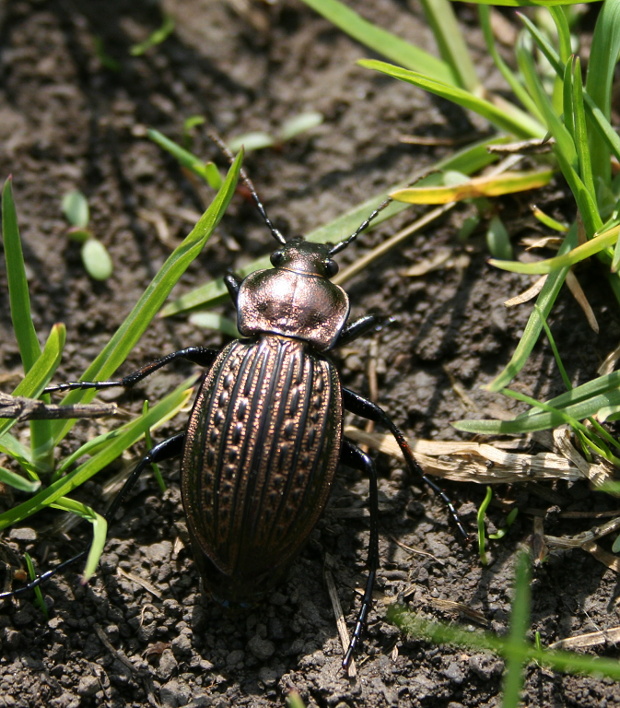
(528, 294)
(591, 639)
(582, 300)
(484, 463)
(33, 409)
(605, 557)
(583, 540)
(341, 624)
(464, 610)
(132, 577)
(610, 362)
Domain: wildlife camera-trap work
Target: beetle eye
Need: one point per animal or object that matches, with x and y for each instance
(277, 258)
(331, 268)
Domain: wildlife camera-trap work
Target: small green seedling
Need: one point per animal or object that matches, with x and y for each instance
(259, 140)
(95, 256)
(481, 516)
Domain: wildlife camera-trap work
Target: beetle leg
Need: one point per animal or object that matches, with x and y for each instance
(172, 447)
(233, 282)
(361, 406)
(364, 325)
(352, 456)
(198, 355)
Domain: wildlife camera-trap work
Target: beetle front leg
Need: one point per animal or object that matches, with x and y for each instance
(352, 456)
(364, 325)
(197, 355)
(361, 406)
(165, 450)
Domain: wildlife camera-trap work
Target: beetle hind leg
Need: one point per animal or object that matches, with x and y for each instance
(352, 456)
(361, 406)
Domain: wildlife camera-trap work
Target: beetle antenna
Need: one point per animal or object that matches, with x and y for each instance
(343, 244)
(248, 183)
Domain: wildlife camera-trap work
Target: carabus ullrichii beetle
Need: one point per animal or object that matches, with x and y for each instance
(264, 438)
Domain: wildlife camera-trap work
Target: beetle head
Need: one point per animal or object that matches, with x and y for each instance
(305, 257)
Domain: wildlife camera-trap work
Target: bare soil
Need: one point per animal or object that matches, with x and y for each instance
(68, 121)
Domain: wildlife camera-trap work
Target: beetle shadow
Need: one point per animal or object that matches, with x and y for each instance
(255, 646)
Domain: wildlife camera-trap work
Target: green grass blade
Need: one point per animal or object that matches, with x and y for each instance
(590, 248)
(505, 117)
(438, 633)
(528, 3)
(564, 149)
(533, 328)
(11, 446)
(155, 38)
(19, 295)
(549, 417)
(543, 43)
(379, 40)
(183, 156)
(558, 14)
(119, 441)
(600, 120)
(509, 76)
(467, 161)
(600, 80)
(480, 523)
(170, 408)
(125, 338)
(100, 530)
(38, 593)
(12, 479)
(40, 372)
(25, 333)
(574, 92)
(517, 645)
(452, 47)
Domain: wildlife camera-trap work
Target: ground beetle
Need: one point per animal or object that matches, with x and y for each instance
(264, 437)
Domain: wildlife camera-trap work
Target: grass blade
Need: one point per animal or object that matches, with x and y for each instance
(590, 248)
(534, 325)
(100, 530)
(19, 301)
(452, 47)
(505, 117)
(40, 372)
(599, 81)
(381, 41)
(517, 645)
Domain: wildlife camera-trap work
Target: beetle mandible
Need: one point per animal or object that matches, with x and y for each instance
(264, 437)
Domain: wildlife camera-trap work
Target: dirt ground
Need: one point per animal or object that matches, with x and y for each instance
(69, 122)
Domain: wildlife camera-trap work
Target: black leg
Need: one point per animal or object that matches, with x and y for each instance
(365, 324)
(198, 355)
(172, 447)
(371, 411)
(352, 456)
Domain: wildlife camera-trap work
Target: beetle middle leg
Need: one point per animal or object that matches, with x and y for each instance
(165, 450)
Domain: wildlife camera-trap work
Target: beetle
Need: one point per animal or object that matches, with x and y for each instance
(265, 434)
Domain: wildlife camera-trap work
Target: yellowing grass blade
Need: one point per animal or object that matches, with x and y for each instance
(491, 186)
